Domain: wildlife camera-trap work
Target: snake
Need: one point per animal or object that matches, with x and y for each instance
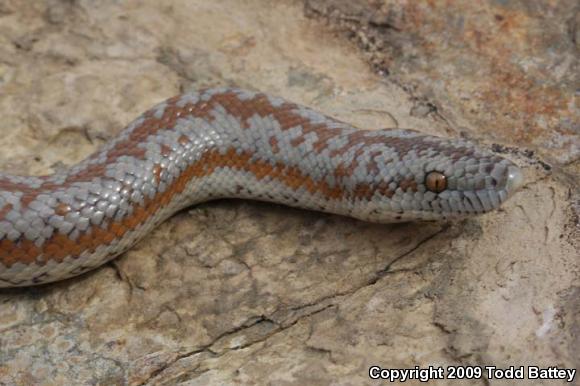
(233, 143)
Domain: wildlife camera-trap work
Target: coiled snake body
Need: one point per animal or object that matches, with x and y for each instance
(234, 143)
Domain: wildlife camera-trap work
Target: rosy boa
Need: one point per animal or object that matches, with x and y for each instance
(234, 143)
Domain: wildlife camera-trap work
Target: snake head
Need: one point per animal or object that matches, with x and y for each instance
(424, 177)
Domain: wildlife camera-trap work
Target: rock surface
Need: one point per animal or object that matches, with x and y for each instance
(234, 292)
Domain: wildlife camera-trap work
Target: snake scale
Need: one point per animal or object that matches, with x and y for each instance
(226, 142)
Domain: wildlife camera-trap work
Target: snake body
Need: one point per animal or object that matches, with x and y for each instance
(226, 142)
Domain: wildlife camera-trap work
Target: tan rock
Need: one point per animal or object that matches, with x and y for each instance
(233, 292)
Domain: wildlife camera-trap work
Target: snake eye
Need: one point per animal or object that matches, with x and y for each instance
(436, 182)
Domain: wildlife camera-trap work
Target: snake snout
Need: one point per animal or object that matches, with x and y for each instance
(504, 179)
(515, 180)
